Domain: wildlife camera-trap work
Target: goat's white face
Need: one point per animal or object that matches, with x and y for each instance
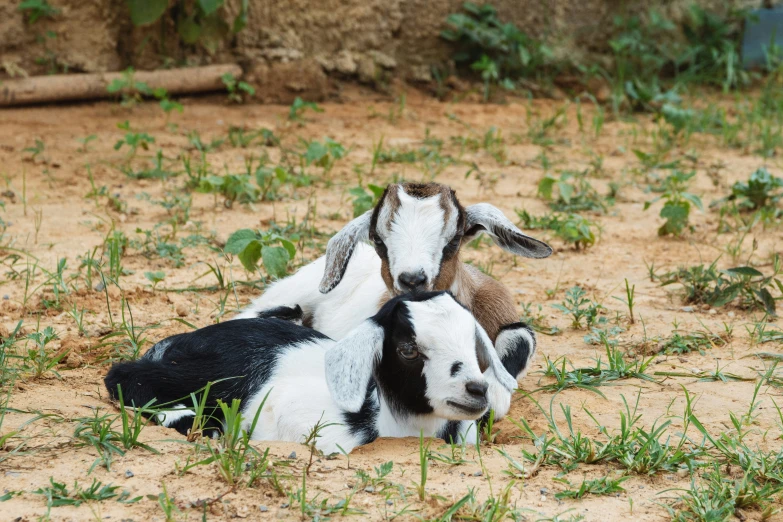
(446, 338)
(427, 354)
(417, 230)
(411, 235)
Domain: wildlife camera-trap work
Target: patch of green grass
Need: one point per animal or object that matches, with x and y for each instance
(573, 229)
(600, 486)
(712, 286)
(579, 307)
(500, 52)
(571, 192)
(57, 494)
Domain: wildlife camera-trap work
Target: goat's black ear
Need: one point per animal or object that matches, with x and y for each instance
(350, 363)
(340, 249)
(488, 358)
(486, 218)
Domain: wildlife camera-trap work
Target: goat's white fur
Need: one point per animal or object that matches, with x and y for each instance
(317, 381)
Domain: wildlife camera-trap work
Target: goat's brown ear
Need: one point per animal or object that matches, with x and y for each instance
(340, 249)
(486, 218)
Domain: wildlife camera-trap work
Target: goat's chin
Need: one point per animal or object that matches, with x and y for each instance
(399, 291)
(461, 409)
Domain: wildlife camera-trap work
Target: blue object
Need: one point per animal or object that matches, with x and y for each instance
(762, 26)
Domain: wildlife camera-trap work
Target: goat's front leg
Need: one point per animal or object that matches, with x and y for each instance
(516, 346)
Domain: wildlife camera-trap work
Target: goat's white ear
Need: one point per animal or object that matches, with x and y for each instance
(484, 217)
(350, 363)
(340, 249)
(488, 358)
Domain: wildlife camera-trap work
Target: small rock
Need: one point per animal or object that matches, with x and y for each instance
(100, 286)
(6, 297)
(369, 489)
(128, 473)
(292, 456)
(543, 498)
(731, 314)
(389, 503)
(182, 310)
(384, 60)
(683, 472)
(478, 474)
(263, 508)
(544, 491)
(345, 63)
(688, 309)
(284, 505)
(74, 360)
(712, 311)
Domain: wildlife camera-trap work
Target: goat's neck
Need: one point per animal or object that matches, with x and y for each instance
(391, 423)
(464, 286)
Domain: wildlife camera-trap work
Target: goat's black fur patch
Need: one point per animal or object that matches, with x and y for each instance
(240, 354)
(516, 357)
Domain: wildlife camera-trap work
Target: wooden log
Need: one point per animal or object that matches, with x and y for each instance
(69, 87)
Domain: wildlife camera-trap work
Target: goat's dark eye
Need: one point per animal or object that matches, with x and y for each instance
(453, 245)
(378, 241)
(408, 351)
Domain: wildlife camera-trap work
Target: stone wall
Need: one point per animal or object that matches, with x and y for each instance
(291, 47)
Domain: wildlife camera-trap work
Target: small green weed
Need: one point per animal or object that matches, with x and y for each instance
(579, 307)
(274, 250)
(677, 207)
(237, 90)
(599, 486)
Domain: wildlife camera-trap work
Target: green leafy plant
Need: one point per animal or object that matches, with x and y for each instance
(155, 277)
(201, 22)
(760, 191)
(237, 89)
(37, 9)
(299, 107)
(365, 199)
(501, 52)
(599, 486)
(36, 151)
(677, 207)
(573, 193)
(39, 358)
(714, 287)
(274, 250)
(133, 140)
(571, 228)
(579, 307)
(57, 494)
(323, 154)
(132, 90)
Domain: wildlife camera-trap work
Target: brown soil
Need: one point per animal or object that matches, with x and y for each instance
(71, 225)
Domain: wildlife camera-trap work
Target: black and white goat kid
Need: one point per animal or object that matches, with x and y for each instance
(416, 231)
(414, 366)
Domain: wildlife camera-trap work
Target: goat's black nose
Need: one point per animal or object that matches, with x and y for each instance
(412, 282)
(477, 389)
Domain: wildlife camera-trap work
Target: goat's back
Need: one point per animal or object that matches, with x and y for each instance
(236, 356)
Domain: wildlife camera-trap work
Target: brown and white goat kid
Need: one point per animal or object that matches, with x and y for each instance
(417, 231)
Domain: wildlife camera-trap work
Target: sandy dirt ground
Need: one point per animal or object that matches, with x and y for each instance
(51, 218)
